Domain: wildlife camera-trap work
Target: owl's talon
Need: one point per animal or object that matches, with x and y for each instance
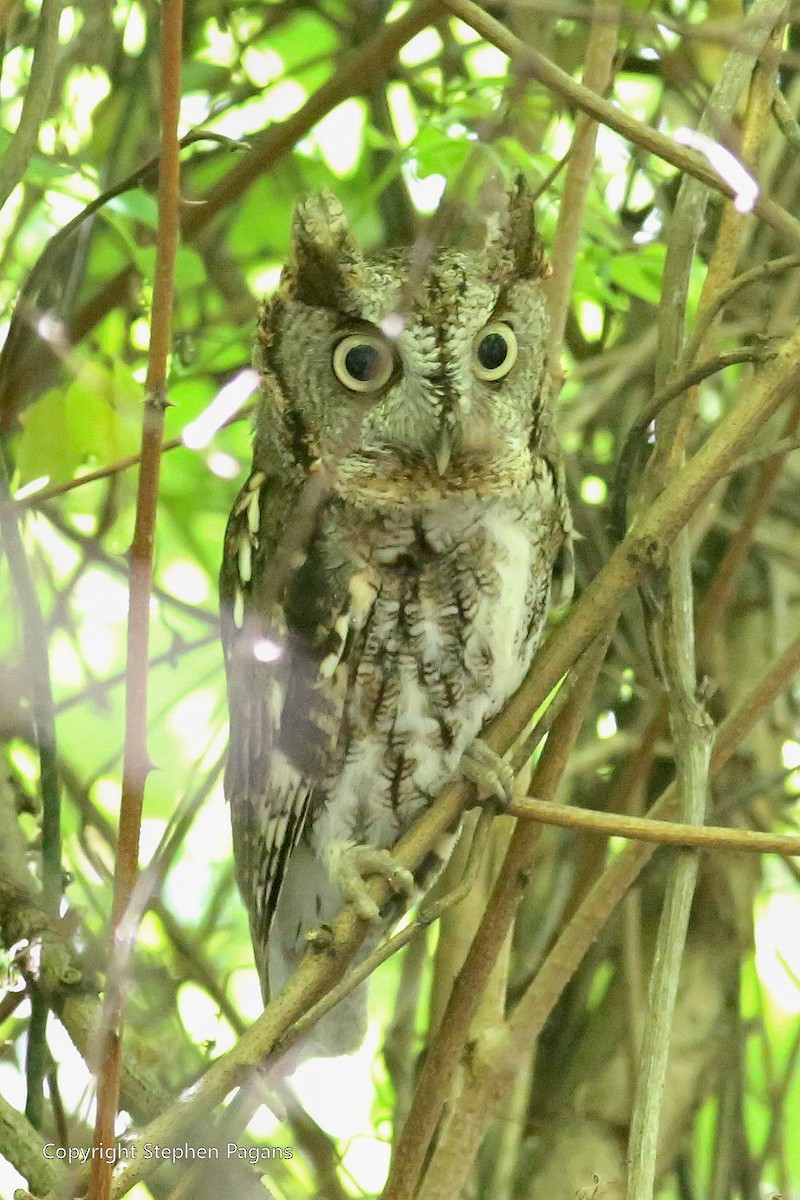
(320, 939)
(350, 866)
(490, 773)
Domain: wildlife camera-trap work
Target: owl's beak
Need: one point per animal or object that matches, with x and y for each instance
(444, 449)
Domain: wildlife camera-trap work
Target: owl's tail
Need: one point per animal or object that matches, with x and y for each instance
(308, 899)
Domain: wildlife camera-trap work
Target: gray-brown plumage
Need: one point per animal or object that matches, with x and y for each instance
(388, 563)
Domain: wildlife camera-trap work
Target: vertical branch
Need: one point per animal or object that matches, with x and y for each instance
(600, 53)
(44, 726)
(692, 733)
(37, 99)
(136, 762)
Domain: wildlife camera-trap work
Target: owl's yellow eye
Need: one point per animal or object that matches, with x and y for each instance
(363, 363)
(494, 351)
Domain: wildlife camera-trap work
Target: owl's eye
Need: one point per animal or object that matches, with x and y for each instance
(494, 351)
(363, 363)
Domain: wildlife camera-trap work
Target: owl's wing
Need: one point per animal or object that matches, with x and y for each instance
(284, 643)
(563, 580)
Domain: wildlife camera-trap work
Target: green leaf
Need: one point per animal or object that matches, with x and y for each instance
(639, 273)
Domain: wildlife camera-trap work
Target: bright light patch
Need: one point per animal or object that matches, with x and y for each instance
(202, 1019)
(150, 934)
(187, 581)
(30, 489)
(133, 38)
(591, 319)
(223, 465)
(266, 651)
(228, 400)
(464, 34)
(195, 107)
(367, 1160)
(397, 10)
(606, 724)
(209, 838)
(403, 110)
(140, 333)
(52, 331)
(12, 1085)
(150, 837)
(67, 25)
(778, 949)
(245, 992)
(16, 71)
(425, 193)
(106, 793)
(65, 662)
(486, 62)
(262, 281)
(593, 490)
(338, 1092)
(101, 597)
(651, 227)
(726, 165)
(424, 46)
(790, 755)
(191, 717)
(74, 1080)
(339, 136)
(284, 99)
(220, 45)
(262, 65)
(85, 88)
(638, 96)
(709, 405)
(393, 325)
(263, 1123)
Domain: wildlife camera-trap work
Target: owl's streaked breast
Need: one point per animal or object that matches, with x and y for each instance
(460, 596)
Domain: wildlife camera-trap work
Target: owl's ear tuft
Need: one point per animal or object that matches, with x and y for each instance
(327, 261)
(525, 243)
(520, 241)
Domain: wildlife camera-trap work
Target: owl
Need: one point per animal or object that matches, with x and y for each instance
(387, 565)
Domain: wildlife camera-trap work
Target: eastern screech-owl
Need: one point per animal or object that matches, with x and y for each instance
(388, 563)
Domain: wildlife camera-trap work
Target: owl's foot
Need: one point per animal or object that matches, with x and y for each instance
(350, 866)
(490, 773)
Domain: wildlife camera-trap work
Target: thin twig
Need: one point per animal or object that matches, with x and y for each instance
(633, 445)
(755, 275)
(136, 763)
(661, 833)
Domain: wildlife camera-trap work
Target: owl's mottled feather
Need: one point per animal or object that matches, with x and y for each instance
(388, 564)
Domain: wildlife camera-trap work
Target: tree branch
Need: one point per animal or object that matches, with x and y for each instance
(136, 763)
(37, 99)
